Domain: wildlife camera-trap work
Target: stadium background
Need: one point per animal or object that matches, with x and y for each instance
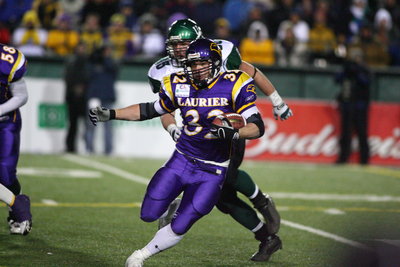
(307, 84)
(86, 207)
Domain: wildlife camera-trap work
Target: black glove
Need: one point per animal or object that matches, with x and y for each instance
(226, 132)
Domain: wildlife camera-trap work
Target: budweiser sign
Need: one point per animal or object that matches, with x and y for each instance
(312, 134)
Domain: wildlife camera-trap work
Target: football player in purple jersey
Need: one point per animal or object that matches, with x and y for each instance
(179, 36)
(199, 164)
(13, 95)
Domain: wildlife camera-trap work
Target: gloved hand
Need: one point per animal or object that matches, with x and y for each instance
(99, 114)
(282, 111)
(174, 131)
(225, 132)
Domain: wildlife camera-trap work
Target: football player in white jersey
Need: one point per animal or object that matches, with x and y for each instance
(180, 35)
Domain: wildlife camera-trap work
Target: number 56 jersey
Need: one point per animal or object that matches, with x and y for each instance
(230, 91)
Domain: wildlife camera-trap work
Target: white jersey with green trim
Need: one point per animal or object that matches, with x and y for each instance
(164, 67)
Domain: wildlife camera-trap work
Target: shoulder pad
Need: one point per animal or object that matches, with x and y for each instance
(161, 68)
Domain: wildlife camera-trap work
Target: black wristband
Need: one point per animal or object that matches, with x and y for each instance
(112, 114)
(255, 72)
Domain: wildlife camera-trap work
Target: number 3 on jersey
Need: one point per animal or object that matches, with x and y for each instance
(194, 122)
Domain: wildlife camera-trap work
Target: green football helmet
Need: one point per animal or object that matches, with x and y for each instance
(180, 34)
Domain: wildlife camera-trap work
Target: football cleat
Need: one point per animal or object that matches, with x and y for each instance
(20, 217)
(267, 248)
(271, 215)
(172, 208)
(136, 259)
(22, 228)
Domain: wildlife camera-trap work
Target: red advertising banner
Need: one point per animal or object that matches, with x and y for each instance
(311, 135)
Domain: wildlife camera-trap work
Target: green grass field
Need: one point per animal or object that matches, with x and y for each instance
(86, 213)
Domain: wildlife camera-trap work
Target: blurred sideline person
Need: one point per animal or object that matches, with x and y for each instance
(76, 77)
(354, 105)
(180, 34)
(200, 162)
(13, 95)
(103, 72)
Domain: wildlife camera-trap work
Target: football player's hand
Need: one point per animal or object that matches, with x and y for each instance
(174, 131)
(224, 132)
(282, 111)
(4, 118)
(99, 114)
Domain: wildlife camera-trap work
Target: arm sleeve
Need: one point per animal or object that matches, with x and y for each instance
(18, 99)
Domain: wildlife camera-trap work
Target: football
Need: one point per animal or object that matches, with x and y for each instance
(235, 120)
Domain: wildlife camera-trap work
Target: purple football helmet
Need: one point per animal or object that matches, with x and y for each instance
(208, 54)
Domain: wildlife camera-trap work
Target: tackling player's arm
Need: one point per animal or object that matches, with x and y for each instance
(280, 108)
(260, 79)
(234, 61)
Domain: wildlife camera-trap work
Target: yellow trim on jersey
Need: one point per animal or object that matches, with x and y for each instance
(215, 80)
(245, 106)
(14, 68)
(12, 201)
(168, 87)
(164, 106)
(238, 85)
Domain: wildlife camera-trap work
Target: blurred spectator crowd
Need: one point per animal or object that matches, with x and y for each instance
(267, 32)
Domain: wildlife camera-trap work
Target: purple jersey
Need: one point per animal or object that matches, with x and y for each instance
(12, 68)
(231, 91)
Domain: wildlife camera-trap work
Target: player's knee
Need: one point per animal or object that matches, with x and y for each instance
(148, 216)
(180, 228)
(221, 206)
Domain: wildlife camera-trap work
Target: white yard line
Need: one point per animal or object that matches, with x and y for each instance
(107, 168)
(57, 172)
(49, 202)
(325, 234)
(126, 175)
(312, 196)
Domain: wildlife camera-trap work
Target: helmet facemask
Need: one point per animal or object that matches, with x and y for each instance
(203, 62)
(201, 75)
(176, 50)
(180, 34)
